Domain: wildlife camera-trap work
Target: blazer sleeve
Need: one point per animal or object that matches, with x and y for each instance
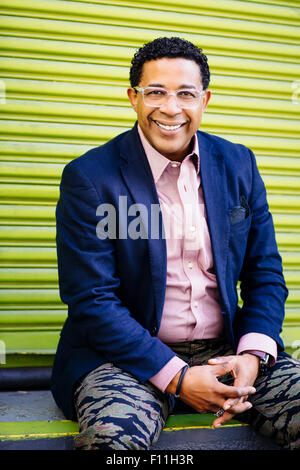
(89, 283)
(263, 288)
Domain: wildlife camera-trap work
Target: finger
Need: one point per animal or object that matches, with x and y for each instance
(231, 402)
(223, 419)
(239, 408)
(235, 391)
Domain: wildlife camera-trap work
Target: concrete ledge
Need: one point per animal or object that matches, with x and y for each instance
(30, 420)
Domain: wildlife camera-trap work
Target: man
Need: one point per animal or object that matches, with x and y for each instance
(153, 307)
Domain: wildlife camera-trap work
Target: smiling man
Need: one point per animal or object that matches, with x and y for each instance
(153, 315)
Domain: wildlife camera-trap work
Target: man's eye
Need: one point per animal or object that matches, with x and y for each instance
(187, 94)
(155, 93)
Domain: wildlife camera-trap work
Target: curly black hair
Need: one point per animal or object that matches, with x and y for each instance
(171, 48)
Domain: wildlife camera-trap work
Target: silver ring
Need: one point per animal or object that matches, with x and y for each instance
(219, 413)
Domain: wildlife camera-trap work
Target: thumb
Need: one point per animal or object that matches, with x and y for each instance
(220, 359)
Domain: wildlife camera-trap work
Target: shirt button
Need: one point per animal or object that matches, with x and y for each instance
(192, 228)
(190, 265)
(196, 304)
(174, 165)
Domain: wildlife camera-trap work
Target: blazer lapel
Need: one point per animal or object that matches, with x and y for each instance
(214, 185)
(139, 180)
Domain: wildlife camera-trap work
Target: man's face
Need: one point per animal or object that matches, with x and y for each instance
(171, 74)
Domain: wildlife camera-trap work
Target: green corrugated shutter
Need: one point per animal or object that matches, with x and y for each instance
(64, 76)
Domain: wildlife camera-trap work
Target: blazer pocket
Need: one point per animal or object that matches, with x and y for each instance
(237, 245)
(241, 227)
(237, 214)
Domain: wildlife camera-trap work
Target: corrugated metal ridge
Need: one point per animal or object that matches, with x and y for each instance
(284, 3)
(126, 17)
(116, 36)
(36, 255)
(257, 11)
(32, 317)
(40, 152)
(280, 11)
(27, 235)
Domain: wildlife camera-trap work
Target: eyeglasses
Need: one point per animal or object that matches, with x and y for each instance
(156, 97)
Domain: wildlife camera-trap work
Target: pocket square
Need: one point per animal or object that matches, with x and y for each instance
(237, 214)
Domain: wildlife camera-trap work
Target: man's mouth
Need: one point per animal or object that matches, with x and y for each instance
(169, 128)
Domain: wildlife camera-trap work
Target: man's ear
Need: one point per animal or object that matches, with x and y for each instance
(206, 99)
(132, 95)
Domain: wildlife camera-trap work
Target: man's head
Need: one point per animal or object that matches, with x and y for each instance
(170, 120)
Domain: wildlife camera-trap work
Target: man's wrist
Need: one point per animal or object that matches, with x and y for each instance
(179, 383)
(262, 360)
(252, 356)
(174, 386)
(171, 388)
(164, 376)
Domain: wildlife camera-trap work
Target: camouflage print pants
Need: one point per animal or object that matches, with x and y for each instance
(116, 411)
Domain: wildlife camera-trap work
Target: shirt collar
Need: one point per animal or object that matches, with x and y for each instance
(158, 163)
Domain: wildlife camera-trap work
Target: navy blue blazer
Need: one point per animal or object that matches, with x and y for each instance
(115, 288)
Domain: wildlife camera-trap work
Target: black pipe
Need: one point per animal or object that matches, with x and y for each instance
(25, 378)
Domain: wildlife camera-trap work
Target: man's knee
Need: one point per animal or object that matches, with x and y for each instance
(118, 434)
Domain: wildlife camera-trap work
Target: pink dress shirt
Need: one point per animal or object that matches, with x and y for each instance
(191, 308)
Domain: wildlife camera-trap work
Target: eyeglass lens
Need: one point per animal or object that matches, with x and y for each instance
(158, 97)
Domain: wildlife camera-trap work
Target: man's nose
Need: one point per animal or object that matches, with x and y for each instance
(170, 106)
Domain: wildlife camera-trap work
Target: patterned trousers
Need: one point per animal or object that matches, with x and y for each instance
(116, 411)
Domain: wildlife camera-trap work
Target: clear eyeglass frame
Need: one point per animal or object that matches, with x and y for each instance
(171, 93)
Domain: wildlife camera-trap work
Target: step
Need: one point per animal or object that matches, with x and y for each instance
(30, 420)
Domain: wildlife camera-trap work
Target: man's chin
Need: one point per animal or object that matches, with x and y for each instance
(173, 154)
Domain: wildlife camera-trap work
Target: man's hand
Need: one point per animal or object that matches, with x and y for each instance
(202, 390)
(245, 370)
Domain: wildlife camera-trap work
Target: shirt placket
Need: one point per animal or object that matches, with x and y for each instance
(188, 184)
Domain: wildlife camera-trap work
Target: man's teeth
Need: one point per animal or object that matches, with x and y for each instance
(168, 128)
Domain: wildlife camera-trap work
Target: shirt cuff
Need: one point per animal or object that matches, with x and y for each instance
(162, 379)
(258, 342)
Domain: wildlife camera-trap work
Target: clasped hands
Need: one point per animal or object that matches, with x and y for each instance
(202, 390)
